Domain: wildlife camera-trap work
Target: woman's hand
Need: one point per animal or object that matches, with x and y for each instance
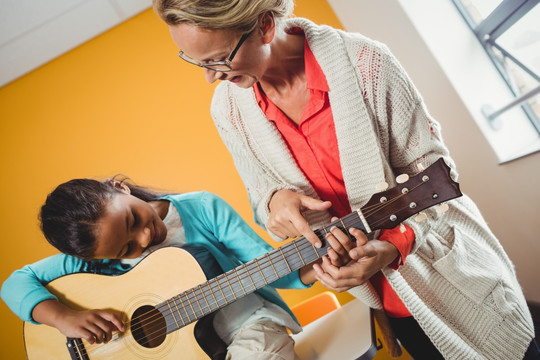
(367, 258)
(286, 219)
(94, 326)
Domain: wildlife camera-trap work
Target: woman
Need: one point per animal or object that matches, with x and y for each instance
(315, 118)
(107, 227)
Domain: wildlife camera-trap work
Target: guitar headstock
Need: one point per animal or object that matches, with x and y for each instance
(387, 209)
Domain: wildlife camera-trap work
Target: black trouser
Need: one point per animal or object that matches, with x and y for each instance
(414, 339)
(418, 345)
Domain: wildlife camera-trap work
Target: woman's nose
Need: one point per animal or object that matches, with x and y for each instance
(211, 75)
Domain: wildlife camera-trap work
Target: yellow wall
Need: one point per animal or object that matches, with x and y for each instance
(120, 103)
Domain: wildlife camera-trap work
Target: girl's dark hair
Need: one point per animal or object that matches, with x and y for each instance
(70, 213)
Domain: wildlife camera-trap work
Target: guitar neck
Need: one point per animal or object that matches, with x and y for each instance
(226, 288)
(384, 210)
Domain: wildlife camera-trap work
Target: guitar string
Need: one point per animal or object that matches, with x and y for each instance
(368, 212)
(202, 291)
(308, 245)
(216, 280)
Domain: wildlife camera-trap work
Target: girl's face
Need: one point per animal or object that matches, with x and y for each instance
(129, 226)
(209, 46)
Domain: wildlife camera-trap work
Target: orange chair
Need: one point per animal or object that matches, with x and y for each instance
(315, 307)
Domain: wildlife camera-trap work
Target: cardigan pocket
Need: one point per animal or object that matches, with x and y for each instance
(470, 267)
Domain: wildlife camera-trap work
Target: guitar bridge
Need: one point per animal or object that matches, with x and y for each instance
(76, 349)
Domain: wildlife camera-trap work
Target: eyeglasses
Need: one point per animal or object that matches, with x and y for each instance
(221, 66)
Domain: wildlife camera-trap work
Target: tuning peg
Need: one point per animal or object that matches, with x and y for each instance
(402, 228)
(420, 167)
(381, 186)
(420, 217)
(441, 209)
(402, 178)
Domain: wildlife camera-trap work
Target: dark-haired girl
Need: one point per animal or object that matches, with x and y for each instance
(107, 227)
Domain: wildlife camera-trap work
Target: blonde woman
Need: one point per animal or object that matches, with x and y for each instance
(314, 119)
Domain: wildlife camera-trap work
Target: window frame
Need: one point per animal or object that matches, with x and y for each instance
(502, 18)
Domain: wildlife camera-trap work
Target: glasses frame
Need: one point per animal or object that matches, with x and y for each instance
(211, 66)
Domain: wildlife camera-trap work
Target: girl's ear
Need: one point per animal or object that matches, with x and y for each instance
(119, 185)
(267, 26)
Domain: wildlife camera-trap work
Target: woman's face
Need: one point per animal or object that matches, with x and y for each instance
(208, 46)
(129, 226)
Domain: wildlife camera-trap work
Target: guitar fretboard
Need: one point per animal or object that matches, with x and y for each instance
(226, 288)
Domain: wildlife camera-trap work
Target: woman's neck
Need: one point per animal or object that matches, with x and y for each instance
(287, 68)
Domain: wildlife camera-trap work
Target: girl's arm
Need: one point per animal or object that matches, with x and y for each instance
(307, 273)
(91, 325)
(26, 295)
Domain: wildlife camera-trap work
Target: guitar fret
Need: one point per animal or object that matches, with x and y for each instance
(250, 278)
(214, 297)
(345, 230)
(198, 304)
(315, 250)
(205, 300)
(230, 288)
(262, 274)
(285, 259)
(272, 265)
(240, 282)
(255, 275)
(179, 310)
(245, 279)
(192, 310)
(173, 314)
(299, 253)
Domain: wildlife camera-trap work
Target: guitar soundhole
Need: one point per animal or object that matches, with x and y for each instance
(148, 327)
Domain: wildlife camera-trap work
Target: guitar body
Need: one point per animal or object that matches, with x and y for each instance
(158, 277)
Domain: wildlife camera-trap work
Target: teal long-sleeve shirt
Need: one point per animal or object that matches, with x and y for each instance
(208, 222)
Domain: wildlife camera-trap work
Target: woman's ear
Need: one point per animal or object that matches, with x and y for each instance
(267, 26)
(119, 185)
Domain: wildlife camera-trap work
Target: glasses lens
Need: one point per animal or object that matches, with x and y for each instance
(187, 58)
(218, 67)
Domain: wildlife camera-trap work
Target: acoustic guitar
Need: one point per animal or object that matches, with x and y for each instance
(160, 311)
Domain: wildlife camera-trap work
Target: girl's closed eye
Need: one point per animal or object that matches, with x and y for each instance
(128, 250)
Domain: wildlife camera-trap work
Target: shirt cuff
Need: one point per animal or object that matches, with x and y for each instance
(403, 241)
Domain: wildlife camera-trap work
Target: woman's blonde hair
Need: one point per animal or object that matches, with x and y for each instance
(234, 15)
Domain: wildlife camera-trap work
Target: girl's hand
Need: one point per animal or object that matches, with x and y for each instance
(94, 326)
(286, 219)
(368, 258)
(341, 243)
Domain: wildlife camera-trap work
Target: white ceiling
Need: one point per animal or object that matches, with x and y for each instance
(33, 32)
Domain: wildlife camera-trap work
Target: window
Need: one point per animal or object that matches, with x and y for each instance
(509, 31)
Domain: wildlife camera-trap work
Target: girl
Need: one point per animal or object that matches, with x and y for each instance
(107, 227)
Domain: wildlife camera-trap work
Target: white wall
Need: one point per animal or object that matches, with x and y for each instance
(35, 32)
(508, 195)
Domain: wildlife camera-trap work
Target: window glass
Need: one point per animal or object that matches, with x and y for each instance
(522, 40)
(480, 9)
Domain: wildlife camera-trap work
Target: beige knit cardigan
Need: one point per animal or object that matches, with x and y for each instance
(457, 282)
